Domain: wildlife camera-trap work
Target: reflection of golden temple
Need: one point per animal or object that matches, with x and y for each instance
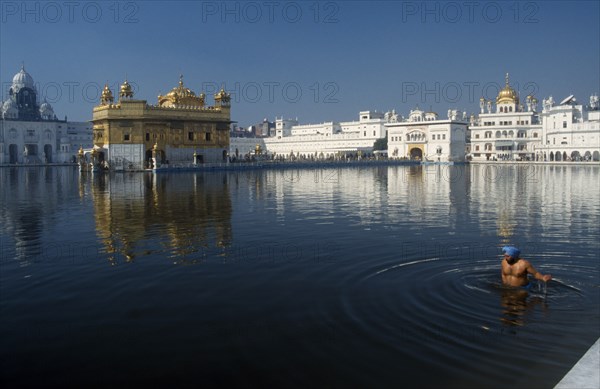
(505, 226)
(188, 217)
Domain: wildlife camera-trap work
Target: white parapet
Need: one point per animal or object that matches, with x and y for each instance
(586, 373)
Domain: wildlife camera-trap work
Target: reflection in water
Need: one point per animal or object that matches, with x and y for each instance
(407, 296)
(516, 304)
(30, 198)
(186, 213)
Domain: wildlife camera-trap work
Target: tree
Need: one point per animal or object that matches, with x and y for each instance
(381, 144)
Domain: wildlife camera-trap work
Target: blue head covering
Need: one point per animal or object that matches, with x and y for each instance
(512, 251)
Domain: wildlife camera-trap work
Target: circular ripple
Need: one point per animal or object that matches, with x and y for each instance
(440, 312)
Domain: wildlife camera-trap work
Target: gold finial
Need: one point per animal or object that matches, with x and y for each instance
(181, 80)
(107, 96)
(126, 90)
(506, 78)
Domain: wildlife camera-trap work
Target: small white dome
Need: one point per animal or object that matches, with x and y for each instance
(10, 109)
(46, 110)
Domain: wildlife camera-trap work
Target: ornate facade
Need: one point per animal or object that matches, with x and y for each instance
(319, 141)
(30, 132)
(568, 131)
(425, 137)
(509, 133)
(180, 130)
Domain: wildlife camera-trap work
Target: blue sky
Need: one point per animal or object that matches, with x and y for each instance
(318, 61)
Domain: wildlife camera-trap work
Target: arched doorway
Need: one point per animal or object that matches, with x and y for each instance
(31, 150)
(416, 153)
(557, 156)
(148, 158)
(224, 155)
(575, 156)
(13, 154)
(48, 154)
(596, 156)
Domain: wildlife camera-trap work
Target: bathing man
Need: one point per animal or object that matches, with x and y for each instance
(515, 269)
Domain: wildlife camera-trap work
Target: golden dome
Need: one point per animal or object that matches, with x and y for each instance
(126, 90)
(222, 97)
(181, 96)
(107, 96)
(180, 90)
(507, 94)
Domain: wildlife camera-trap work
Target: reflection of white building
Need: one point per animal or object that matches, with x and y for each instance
(570, 131)
(327, 139)
(423, 136)
(30, 133)
(509, 133)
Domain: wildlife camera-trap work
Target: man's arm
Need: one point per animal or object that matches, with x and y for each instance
(536, 274)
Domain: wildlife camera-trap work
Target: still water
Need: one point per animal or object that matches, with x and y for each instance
(364, 276)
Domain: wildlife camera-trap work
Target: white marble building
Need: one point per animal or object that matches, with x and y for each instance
(328, 139)
(425, 137)
(30, 132)
(507, 131)
(570, 131)
(422, 136)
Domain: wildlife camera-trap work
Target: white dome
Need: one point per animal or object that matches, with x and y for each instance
(8, 104)
(22, 80)
(10, 109)
(46, 110)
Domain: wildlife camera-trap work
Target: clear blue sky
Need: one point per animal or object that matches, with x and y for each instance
(318, 61)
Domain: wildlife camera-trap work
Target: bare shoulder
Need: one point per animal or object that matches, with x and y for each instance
(527, 265)
(524, 262)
